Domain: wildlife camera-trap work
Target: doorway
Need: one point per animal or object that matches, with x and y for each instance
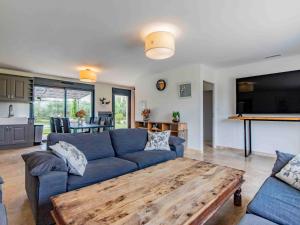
(121, 105)
(208, 109)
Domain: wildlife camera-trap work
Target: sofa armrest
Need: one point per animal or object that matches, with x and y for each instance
(1, 182)
(178, 149)
(39, 189)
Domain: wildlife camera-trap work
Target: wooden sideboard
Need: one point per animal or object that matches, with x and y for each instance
(177, 129)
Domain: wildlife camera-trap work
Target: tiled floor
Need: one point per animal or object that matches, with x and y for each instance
(257, 169)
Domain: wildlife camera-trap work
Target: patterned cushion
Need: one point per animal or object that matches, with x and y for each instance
(75, 159)
(290, 173)
(158, 141)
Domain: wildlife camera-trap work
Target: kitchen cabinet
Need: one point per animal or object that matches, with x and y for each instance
(12, 136)
(14, 88)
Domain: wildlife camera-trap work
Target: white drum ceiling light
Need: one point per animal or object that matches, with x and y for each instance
(159, 45)
(87, 75)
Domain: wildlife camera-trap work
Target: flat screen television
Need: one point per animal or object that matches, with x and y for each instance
(272, 93)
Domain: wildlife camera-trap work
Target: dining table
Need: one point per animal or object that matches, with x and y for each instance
(87, 126)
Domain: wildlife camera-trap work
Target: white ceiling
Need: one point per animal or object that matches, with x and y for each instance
(57, 36)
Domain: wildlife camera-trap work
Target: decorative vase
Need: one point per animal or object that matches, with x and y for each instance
(80, 121)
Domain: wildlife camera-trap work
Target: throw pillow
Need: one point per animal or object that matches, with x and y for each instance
(75, 159)
(290, 173)
(158, 141)
(281, 161)
(173, 140)
(42, 162)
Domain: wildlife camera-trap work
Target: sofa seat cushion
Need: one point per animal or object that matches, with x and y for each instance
(250, 219)
(3, 216)
(277, 202)
(148, 158)
(100, 170)
(93, 146)
(128, 140)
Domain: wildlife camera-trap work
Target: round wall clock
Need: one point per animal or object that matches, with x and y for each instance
(161, 85)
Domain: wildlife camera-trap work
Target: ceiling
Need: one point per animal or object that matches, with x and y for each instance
(56, 37)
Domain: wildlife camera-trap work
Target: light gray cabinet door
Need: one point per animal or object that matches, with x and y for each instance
(19, 88)
(18, 134)
(4, 135)
(4, 88)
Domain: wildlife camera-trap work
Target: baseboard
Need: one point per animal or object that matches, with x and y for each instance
(253, 152)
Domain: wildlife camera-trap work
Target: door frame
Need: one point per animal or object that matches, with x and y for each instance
(213, 113)
(124, 92)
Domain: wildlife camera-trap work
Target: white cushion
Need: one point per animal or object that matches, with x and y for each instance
(158, 141)
(75, 159)
(290, 173)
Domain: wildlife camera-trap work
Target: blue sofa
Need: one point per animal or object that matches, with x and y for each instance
(276, 202)
(109, 154)
(3, 216)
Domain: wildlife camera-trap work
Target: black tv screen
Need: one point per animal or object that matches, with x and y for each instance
(272, 93)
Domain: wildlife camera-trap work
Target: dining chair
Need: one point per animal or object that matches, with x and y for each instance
(66, 125)
(58, 125)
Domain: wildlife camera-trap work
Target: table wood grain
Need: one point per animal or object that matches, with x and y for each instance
(181, 191)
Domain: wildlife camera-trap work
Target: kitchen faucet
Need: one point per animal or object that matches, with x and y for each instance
(10, 111)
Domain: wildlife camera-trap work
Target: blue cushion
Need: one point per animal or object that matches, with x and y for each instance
(129, 140)
(250, 219)
(277, 202)
(173, 140)
(100, 170)
(3, 216)
(42, 162)
(148, 158)
(281, 161)
(93, 146)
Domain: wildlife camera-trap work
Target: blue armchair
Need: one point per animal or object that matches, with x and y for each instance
(3, 217)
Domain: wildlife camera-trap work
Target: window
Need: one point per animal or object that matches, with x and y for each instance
(78, 100)
(60, 102)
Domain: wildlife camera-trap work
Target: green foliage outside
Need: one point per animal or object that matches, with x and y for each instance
(46, 108)
(121, 106)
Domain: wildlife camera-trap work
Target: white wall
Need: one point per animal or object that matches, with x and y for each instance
(163, 103)
(266, 136)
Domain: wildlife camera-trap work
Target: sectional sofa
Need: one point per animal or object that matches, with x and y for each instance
(109, 154)
(276, 203)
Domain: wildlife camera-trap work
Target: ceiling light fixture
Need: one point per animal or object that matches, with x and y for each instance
(159, 45)
(87, 75)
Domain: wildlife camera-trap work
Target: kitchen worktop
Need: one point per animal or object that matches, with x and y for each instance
(13, 120)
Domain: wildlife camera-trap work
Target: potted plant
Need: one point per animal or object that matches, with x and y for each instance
(80, 115)
(176, 117)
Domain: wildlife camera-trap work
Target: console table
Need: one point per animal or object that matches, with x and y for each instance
(258, 118)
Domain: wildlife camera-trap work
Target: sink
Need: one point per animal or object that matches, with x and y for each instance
(13, 120)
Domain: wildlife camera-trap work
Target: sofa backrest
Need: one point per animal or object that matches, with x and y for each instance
(128, 140)
(93, 146)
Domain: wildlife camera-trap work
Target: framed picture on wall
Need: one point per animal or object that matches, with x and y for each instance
(185, 90)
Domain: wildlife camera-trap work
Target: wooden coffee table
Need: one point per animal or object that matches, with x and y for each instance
(181, 191)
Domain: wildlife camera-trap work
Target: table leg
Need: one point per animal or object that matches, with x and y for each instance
(237, 197)
(245, 137)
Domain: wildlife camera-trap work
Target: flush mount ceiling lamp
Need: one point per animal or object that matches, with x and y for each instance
(159, 45)
(87, 75)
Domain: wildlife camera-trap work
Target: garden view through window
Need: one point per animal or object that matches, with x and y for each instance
(51, 102)
(121, 111)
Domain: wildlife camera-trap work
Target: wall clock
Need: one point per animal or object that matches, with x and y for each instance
(161, 85)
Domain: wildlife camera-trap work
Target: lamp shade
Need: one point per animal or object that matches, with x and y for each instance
(87, 76)
(159, 45)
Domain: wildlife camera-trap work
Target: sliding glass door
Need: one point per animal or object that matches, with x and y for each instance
(78, 100)
(60, 102)
(121, 103)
